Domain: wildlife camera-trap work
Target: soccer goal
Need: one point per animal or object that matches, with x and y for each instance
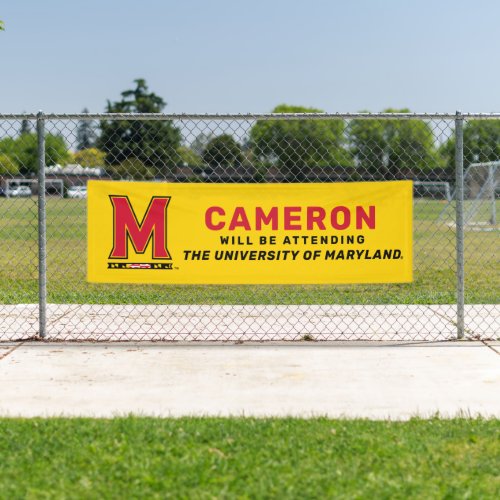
(481, 190)
(435, 190)
(481, 196)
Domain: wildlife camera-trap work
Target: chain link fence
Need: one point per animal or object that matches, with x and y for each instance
(46, 161)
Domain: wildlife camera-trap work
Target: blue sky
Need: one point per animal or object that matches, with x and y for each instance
(248, 56)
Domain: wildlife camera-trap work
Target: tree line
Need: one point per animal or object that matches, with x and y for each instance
(294, 149)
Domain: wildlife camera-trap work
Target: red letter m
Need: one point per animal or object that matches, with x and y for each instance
(126, 227)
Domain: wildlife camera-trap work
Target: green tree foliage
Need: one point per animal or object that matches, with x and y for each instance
(7, 165)
(91, 157)
(369, 144)
(23, 150)
(131, 168)
(222, 152)
(86, 134)
(297, 145)
(481, 143)
(2, 26)
(189, 157)
(392, 148)
(200, 142)
(25, 127)
(152, 143)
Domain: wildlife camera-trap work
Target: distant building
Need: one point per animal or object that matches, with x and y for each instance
(75, 174)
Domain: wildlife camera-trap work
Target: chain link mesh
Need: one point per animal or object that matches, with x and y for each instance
(248, 149)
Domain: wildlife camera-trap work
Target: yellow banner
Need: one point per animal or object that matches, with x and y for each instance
(148, 232)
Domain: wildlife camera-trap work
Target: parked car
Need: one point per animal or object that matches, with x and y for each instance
(77, 192)
(18, 191)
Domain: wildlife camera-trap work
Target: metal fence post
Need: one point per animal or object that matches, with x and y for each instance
(42, 228)
(459, 199)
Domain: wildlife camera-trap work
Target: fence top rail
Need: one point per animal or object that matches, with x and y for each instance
(248, 116)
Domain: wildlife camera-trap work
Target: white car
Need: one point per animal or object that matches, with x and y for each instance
(77, 192)
(19, 191)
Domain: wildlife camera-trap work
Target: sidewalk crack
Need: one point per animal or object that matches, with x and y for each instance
(493, 348)
(468, 331)
(10, 351)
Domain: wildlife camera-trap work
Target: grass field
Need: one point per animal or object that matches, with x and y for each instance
(434, 264)
(249, 458)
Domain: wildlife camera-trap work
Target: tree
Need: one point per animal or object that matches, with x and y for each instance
(2, 26)
(296, 146)
(23, 150)
(7, 165)
(223, 152)
(393, 148)
(91, 157)
(153, 143)
(131, 168)
(189, 157)
(25, 127)
(481, 144)
(86, 134)
(200, 142)
(369, 144)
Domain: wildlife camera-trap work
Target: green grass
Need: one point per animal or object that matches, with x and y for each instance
(434, 266)
(249, 458)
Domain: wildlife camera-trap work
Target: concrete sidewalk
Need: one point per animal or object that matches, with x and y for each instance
(394, 381)
(249, 323)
